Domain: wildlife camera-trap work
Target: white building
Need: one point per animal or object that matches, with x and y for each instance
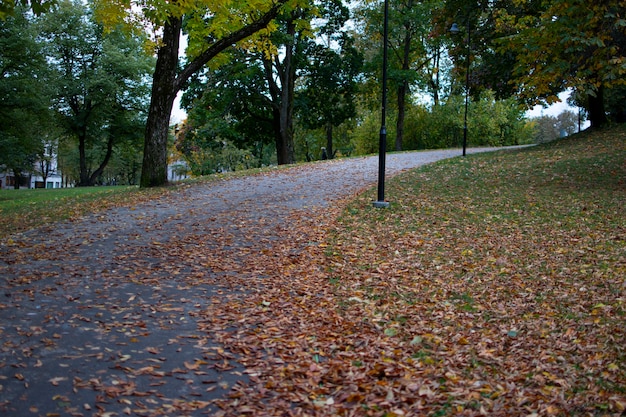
(34, 178)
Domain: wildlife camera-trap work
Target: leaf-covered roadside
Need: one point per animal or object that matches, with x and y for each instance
(23, 210)
(493, 285)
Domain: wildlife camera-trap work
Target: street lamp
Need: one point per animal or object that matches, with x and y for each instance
(382, 142)
(455, 30)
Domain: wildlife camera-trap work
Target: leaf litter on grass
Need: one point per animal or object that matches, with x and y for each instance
(493, 285)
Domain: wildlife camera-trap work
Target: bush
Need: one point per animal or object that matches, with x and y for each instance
(489, 123)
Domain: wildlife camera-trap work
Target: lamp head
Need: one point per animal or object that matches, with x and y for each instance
(455, 29)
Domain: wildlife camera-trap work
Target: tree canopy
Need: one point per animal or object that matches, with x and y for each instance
(568, 44)
(24, 94)
(528, 51)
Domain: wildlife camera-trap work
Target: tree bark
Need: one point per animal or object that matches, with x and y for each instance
(286, 153)
(83, 181)
(329, 140)
(597, 115)
(282, 98)
(403, 88)
(107, 157)
(154, 168)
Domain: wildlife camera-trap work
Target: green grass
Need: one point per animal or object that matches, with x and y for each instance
(22, 210)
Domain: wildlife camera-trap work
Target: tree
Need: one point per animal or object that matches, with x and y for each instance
(212, 27)
(8, 7)
(567, 44)
(411, 49)
(227, 106)
(234, 91)
(280, 75)
(328, 96)
(24, 96)
(100, 82)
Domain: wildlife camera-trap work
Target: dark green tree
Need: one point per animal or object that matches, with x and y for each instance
(227, 109)
(534, 50)
(412, 46)
(100, 81)
(574, 45)
(330, 84)
(24, 96)
(9, 7)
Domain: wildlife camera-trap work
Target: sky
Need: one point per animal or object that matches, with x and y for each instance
(553, 110)
(178, 114)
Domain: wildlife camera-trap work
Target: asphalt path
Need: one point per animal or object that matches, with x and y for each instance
(98, 317)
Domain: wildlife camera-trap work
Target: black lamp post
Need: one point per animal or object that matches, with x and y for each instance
(382, 142)
(455, 29)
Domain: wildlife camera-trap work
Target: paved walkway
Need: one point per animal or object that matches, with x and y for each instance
(101, 316)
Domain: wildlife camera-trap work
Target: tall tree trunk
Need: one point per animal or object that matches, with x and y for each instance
(288, 75)
(329, 140)
(282, 98)
(154, 168)
(83, 181)
(107, 157)
(435, 82)
(403, 88)
(17, 179)
(597, 115)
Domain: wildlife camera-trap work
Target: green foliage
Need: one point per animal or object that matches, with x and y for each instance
(438, 127)
(549, 128)
(228, 124)
(562, 44)
(309, 142)
(366, 134)
(218, 157)
(24, 94)
(10, 7)
(209, 147)
(328, 94)
(327, 97)
(490, 123)
(497, 122)
(101, 87)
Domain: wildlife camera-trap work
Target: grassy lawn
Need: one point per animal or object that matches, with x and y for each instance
(497, 282)
(25, 209)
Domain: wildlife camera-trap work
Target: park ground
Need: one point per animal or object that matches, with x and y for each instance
(493, 285)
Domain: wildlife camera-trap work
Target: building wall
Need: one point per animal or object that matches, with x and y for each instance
(53, 181)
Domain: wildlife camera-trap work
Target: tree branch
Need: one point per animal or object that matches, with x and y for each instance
(224, 43)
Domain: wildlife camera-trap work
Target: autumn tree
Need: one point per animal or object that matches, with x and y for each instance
(411, 49)
(330, 72)
(212, 27)
(234, 96)
(227, 109)
(328, 96)
(565, 44)
(281, 71)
